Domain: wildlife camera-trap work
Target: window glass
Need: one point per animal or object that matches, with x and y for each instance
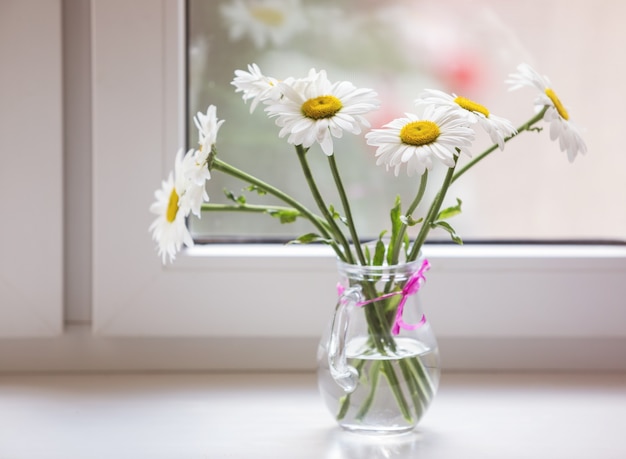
(528, 191)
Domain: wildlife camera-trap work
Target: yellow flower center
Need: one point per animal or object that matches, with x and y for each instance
(172, 207)
(321, 107)
(471, 106)
(419, 133)
(557, 104)
(268, 16)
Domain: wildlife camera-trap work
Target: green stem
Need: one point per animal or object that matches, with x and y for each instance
(380, 331)
(221, 166)
(394, 385)
(317, 196)
(344, 402)
(409, 212)
(413, 371)
(374, 376)
(390, 374)
(432, 213)
(379, 325)
(451, 177)
(524, 127)
(346, 208)
(344, 405)
(252, 208)
(413, 387)
(419, 376)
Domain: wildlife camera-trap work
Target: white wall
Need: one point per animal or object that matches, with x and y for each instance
(589, 335)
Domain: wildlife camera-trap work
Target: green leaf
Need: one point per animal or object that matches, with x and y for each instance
(407, 244)
(336, 215)
(259, 191)
(447, 227)
(368, 255)
(409, 221)
(396, 225)
(230, 195)
(450, 211)
(379, 253)
(285, 215)
(309, 238)
(241, 200)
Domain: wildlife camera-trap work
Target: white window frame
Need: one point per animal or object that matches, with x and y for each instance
(490, 305)
(31, 173)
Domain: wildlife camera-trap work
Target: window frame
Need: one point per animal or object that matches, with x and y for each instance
(31, 185)
(256, 292)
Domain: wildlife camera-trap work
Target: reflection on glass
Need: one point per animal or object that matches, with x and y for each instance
(347, 445)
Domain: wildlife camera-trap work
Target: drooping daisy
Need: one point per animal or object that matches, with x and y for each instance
(208, 126)
(195, 164)
(315, 110)
(570, 139)
(496, 127)
(196, 172)
(264, 21)
(256, 86)
(414, 141)
(169, 229)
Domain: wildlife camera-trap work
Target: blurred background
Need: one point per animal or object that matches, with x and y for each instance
(529, 191)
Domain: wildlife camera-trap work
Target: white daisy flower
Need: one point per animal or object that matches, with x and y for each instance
(496, 127)
(196, 173)
(208, 126)
(414, 141)
(570, 138)
(195, 164)
(255, 86)
(264, 21)
(195, 167)
(315, 110)
(169, 229)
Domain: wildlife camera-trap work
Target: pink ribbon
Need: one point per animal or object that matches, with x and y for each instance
(411, 287)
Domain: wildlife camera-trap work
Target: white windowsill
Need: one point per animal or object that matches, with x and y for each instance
(260, 415)
(78, 350)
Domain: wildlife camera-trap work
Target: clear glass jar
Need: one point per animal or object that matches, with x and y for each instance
(378, 361)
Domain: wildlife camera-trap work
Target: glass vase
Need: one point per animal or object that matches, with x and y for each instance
(378, 361)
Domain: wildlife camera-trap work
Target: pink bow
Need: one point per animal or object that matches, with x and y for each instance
(411, 287)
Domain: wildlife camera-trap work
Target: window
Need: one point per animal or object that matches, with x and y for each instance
(482, 298)
(399, 48)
